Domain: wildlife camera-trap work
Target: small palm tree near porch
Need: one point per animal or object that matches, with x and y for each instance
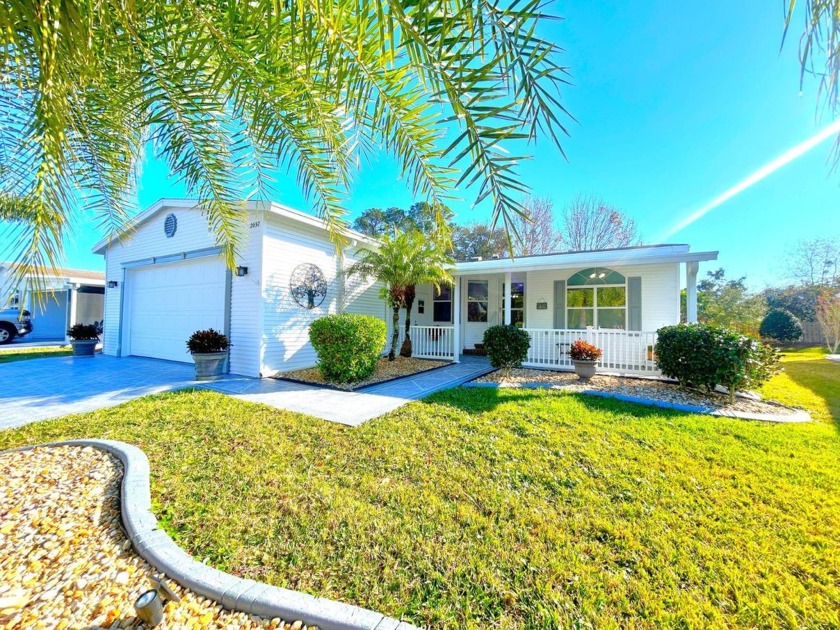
(401, 263)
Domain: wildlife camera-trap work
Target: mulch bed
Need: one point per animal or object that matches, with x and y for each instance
(638, 387)
(385, 371)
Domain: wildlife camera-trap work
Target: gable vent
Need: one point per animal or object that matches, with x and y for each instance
(170, 225)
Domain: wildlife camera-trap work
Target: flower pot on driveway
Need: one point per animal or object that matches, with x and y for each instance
(209, 365)
(84, 347)
(585, 369)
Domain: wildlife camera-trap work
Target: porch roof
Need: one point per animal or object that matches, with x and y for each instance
(641, 255)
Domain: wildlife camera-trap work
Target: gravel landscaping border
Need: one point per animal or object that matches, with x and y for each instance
(795, 415)
(280, 377)
(233, 593)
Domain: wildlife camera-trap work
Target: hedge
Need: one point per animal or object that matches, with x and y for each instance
(704, 356)
(348, 346)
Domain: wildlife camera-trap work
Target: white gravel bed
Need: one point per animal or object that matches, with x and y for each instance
(65, 561)
(642, 388)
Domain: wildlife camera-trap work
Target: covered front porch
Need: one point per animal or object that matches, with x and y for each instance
(614, 299)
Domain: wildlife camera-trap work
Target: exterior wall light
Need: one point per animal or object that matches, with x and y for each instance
(241, 272)
(112, 284)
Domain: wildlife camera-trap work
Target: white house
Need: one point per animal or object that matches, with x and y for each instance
(167, 279)
(72, 296)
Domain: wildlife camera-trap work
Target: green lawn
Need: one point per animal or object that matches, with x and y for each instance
(511, 509)
(22, 354)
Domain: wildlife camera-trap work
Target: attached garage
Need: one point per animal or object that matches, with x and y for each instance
(166, 302)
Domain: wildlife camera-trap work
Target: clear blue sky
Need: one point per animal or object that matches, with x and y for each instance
(675, 103)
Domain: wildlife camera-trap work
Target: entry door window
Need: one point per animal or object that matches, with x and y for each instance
(478, 302)
(517, 304)
(442, 305)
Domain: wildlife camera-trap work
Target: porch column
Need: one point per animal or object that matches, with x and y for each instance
(507, 298)
(691, 269)
(456, 317)
(72, 305)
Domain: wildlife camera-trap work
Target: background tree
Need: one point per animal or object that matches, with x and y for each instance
(728, 303)
(535, 231)
(589, 223)
(478, 240)
(815, 262)
(225, 93)
(375, 222)
(801, 301)
(828, 315)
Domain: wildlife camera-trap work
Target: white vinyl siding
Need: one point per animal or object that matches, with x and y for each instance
(286, 245)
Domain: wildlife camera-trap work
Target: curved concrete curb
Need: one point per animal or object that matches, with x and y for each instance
(233, 593)
(795, 415)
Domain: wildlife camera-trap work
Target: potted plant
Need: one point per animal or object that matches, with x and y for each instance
(585, 358)
(83, 338)
(209, 350)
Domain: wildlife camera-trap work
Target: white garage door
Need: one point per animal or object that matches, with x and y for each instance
(167, 303)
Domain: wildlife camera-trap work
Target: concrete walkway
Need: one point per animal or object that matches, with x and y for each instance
(39, 389)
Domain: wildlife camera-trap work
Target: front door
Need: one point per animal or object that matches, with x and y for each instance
(480, 309)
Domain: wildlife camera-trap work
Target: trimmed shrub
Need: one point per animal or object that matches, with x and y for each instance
(699, 355)
(348, 346)
(507, 346)
(584, 351)
(206, 341)
(780, 325)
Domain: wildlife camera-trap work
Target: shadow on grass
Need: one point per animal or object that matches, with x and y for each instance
(485, 399)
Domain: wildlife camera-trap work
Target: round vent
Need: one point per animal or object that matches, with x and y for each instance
(170, 225)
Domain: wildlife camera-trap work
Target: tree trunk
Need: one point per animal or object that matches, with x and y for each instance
(406, 349)
(395, 336)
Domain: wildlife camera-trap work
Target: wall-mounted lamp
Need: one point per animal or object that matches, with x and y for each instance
(241, 271)
(112, 284)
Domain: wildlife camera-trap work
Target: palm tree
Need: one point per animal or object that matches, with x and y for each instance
(228, 93)
(400, 263)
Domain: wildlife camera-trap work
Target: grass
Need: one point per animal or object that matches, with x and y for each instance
(23, 354)
(508, 508)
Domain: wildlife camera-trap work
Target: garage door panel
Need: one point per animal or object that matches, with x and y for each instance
(170, 302)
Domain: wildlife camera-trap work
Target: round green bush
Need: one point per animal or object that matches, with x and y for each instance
(699, 355)
(780, 325)
(348, 346)
(507, 346)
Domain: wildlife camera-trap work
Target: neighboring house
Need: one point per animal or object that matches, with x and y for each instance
(167, 279)
(71, 296)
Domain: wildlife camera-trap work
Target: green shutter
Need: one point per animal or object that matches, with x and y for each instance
(634, 303)
(559, 303)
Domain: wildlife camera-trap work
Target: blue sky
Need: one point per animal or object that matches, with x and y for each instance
(675, 103)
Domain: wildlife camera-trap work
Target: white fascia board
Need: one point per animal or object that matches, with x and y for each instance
(575, 262)
(356, 238)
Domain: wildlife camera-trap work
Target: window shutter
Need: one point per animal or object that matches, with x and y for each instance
(559, 303)
(634, 303)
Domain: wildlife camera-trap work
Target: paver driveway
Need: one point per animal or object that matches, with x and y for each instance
(39, 389)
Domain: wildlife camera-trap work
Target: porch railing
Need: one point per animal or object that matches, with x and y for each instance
(623, 350)
(431, 342)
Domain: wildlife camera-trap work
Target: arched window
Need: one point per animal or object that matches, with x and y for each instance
(596, 297)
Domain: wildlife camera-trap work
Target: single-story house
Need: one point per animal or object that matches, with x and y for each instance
(71, 296)
(167, 278)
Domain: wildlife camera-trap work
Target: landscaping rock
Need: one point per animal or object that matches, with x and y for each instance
(65, 561)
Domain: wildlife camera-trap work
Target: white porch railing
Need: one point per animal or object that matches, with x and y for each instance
(431, 342)
(623, 350)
